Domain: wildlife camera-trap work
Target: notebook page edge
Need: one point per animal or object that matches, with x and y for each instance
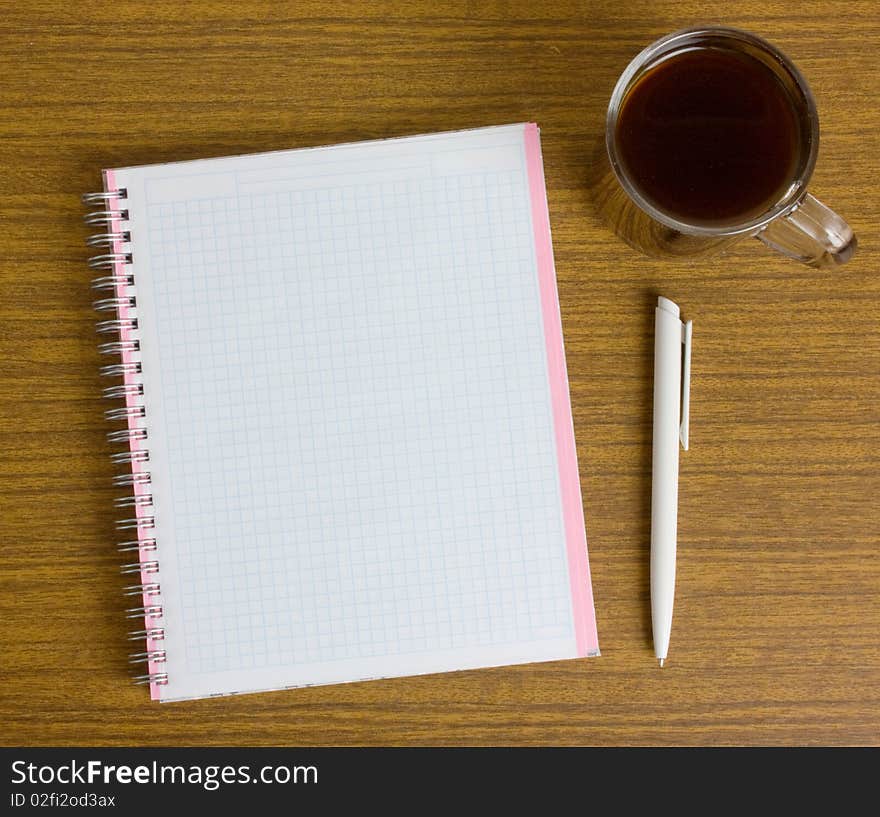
(215, 160)
(573, 512)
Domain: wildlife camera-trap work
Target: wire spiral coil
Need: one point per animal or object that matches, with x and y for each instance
(118, 298)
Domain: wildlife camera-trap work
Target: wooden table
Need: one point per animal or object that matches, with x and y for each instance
(777, 631)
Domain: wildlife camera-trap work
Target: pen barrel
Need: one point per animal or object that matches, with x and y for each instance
(664, 473)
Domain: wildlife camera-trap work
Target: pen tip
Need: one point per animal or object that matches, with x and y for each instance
(661, 662)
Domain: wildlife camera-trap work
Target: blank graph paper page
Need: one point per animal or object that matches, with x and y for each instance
(360, 434)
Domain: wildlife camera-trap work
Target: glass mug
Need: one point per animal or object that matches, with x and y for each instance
(711, 137)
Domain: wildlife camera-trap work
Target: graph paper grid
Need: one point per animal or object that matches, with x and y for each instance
(351, 431)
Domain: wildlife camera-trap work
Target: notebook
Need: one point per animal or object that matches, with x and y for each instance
(343, 414)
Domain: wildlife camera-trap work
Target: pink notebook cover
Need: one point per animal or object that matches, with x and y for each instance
(572, 503)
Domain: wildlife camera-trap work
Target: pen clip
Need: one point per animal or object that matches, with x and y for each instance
(686, 335)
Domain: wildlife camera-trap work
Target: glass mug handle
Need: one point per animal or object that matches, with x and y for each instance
(811, 233)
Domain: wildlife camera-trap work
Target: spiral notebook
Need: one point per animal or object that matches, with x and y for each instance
(344, 413)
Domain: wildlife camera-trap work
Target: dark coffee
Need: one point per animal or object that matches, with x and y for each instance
(710, 136)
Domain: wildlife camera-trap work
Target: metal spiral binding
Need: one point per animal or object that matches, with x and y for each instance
(116, 325)
(139, 567)
(124, 414)
(150, 655)
(147, 611)
(116, 281)
(109, 260)
(127, 434)
(150, 589)
(142, 501)
(156, 633)
(121, 369)
(113, 304)
(136, 523)
(88, 199)
(125, 390)
(107, 239)
(112, 282)
(129, 480)
(129, 456)
(137, 546)
(118, 347)
(108, 217)
(152, 678)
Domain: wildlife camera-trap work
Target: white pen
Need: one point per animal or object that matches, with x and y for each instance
(672, 350)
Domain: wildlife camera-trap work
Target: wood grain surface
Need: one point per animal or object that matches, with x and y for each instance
(777, 630)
